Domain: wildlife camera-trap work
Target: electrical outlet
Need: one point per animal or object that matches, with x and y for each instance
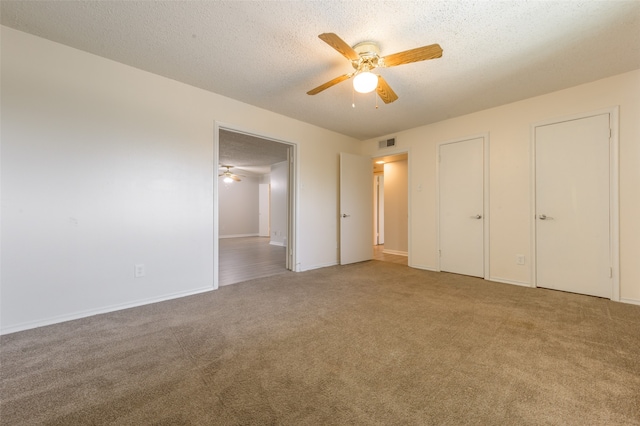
(520, 259)
(138, 270)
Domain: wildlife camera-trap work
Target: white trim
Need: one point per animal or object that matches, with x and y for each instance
(105, 310)
(409, 207)
(277, 243)
(630, 301)
(425, 268)
(319, 266)
(487, 200)
(614, 204)
(292, 210)
(216, 190)
(238, 235)
(391, 152)
(486, 163)
(614, 200)
(532, 198)
(396, 252)
(292, 195)
(512, 282)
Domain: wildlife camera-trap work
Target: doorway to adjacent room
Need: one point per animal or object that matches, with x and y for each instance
(254, 213)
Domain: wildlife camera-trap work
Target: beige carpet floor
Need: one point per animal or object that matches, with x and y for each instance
(366, 344)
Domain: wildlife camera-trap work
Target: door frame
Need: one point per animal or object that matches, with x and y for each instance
(485, 213)
(400, 151)
(614, 210)
(292, 196)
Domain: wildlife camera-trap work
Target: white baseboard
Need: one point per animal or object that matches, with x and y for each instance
(506, 281)
(398, 252)
(104, 310)
(238, 235)
(424, 268)
(630, 301)
(322, 265)
(277, 243)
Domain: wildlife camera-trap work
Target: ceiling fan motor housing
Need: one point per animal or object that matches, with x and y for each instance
(369, 53)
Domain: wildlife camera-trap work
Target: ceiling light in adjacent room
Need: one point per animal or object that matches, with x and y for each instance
(227, 179)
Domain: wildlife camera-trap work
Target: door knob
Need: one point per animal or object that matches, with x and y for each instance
(544, 217)
(346, 215)
(478, 216)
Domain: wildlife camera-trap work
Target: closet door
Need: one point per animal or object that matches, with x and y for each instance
(572, 206)
(461, 207)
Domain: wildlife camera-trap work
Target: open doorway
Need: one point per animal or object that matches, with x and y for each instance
(391, 208)
(254, 217)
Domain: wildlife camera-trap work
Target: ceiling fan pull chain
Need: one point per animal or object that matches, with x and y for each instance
(353, 97)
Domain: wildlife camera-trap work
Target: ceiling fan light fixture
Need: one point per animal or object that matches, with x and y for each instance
(365, 82)
(227, 179)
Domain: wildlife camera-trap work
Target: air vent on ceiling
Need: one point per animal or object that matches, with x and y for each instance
(387, 143)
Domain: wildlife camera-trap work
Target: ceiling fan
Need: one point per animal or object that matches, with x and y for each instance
(228, 176)
(365, 57)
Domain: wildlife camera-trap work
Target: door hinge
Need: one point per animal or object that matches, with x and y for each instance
(610, 272)
(440, 253)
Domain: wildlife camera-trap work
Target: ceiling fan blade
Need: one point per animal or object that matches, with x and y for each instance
(340, 45)
(414, 55)
(329, 84)
(385, 91)
(236, 178)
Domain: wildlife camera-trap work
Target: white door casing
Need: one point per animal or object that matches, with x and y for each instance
(573, 241)
(462, 206)
(356, 218)
(292, 196)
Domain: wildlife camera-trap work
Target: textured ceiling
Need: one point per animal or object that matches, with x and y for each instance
(267, 53)
(248, 154)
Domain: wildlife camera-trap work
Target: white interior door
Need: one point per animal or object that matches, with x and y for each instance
(356, 218)
(461, 207)
(572, 206)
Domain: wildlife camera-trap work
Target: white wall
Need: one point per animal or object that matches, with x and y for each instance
(105, 166)
(279, 203)
(263, 209)
(378, 208)
(396, 211)
(238, 207)
(510, 168)
(265, 179)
